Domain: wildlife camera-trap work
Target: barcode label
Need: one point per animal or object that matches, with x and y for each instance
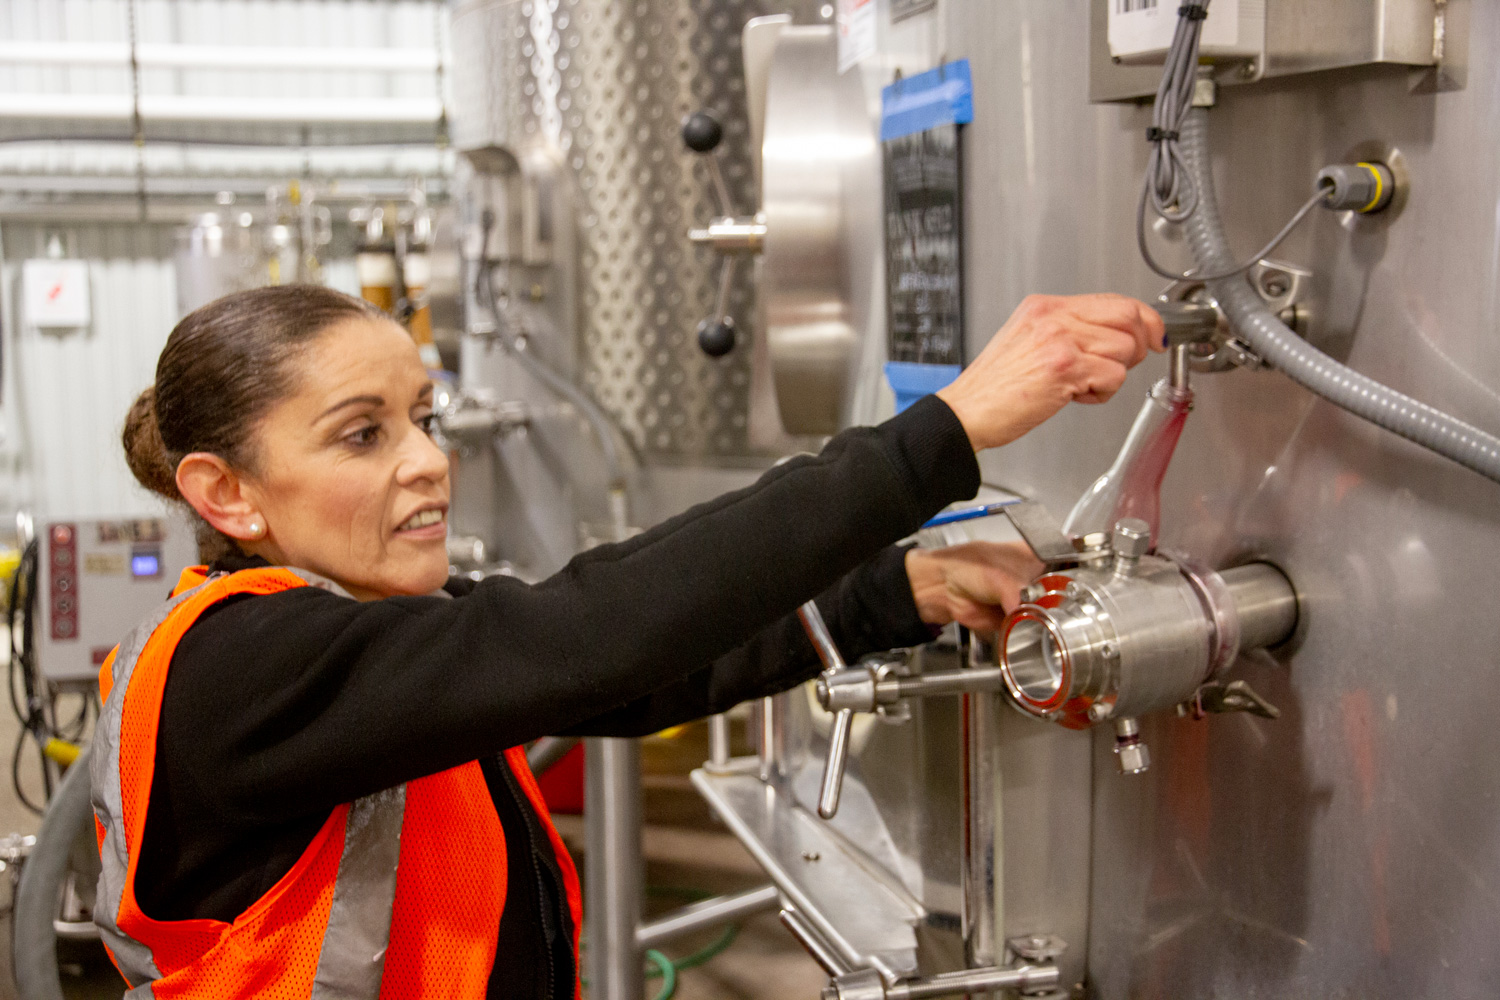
(1131, 6)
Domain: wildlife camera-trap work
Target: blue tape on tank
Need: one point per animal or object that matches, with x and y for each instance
(942, 96)
(911, 381)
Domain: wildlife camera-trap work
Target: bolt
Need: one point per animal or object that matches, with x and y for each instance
(1073, 589)
(1032, 592)
(1275, 284)
(1109, 650)
(1131, 537)
(811, 856)
(1099, 711)
(1249, 70)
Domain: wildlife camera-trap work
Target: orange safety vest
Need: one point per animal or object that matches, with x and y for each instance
(398, 895)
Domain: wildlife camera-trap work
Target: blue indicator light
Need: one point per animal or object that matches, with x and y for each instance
(145, 564)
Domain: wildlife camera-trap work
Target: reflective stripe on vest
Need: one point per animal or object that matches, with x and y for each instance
(398, 895)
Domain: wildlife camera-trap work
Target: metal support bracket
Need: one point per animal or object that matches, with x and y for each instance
(1218, 698)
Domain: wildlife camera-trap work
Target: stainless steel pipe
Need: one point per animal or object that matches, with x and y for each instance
(615, 873)
(1265, 601)
(547, 751)
(708, 913)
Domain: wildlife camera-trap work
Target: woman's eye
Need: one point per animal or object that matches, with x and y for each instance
(428, 423)
(364, 436)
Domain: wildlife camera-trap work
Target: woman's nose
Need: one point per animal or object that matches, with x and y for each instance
(421, 459)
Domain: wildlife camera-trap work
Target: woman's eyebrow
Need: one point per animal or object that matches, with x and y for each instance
(352, 401)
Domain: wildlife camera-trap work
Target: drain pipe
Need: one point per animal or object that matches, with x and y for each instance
(1283, 349)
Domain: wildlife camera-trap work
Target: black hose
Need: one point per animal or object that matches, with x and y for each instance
(34, 939)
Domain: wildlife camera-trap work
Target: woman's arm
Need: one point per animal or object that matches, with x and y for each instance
(867, 611)
(898, 599)
(284, 705)
(291, 703)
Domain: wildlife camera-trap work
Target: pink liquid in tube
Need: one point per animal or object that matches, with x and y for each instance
(1132, 485)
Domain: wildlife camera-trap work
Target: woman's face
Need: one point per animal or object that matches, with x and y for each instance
(348, 480)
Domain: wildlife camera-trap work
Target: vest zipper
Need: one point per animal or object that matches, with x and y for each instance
(543, 895)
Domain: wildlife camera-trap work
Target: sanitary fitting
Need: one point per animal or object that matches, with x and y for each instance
(1135, 635)
(1365, 187)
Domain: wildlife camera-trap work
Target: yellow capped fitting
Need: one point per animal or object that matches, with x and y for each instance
(61, 752)
(1366, 187)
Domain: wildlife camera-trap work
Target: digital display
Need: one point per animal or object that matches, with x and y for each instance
(145, 564)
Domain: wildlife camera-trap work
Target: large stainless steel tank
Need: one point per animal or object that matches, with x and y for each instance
(602, 88)
(1351, 848)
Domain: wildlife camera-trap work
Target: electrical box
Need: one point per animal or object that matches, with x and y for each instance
(97, 580)
(1250, 40)
(1141, 31)
(55, 293)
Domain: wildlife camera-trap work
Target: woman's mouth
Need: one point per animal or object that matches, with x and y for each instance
(423, 519)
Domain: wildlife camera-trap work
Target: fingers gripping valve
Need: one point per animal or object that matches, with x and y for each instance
(727, 233)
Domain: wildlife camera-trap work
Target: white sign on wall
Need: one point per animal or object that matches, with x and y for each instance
(857, 32)
(55, 293)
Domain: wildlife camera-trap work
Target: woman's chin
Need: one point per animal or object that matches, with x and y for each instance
(414, 579)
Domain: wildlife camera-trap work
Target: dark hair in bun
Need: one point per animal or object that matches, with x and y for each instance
(224, 366)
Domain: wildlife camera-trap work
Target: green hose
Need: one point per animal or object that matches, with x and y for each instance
(666, 970)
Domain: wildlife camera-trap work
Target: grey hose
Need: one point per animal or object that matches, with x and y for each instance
(565, 388)
(1274, 341)
(34, 944)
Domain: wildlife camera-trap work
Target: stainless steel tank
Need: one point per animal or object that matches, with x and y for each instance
(1351, 847)
(602, 88)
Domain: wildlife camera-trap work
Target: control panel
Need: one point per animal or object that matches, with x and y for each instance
(96, 580)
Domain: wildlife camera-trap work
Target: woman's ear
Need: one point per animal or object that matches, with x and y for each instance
(219, 496)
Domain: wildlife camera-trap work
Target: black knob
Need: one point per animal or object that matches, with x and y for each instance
(716, 336)
(701, 132)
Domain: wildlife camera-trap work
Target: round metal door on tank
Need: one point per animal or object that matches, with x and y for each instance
(820, 198)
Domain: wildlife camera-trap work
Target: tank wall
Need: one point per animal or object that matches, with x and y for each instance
(1347, 849)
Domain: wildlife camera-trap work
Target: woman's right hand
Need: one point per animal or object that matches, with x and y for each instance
(1053, 350)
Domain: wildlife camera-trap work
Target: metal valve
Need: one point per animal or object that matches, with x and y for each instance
(844, 690)
(835, 671)
(728, 234)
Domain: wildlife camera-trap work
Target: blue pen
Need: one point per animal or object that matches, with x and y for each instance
(970, 513)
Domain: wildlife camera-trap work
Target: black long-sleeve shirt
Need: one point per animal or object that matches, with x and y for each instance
(280, 707)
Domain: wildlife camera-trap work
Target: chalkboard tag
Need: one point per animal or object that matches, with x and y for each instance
(920, 132)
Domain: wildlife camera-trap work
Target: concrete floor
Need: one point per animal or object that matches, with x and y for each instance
(686, 852)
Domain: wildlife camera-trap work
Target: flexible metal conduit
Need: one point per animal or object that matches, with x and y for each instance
(1282, 348)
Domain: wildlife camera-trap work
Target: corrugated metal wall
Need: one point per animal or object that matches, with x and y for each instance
(66, 393)
(271, 23)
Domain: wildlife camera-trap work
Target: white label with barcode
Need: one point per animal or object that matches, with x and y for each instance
(1142, 30)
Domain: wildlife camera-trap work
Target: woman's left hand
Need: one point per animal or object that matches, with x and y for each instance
(974, 584)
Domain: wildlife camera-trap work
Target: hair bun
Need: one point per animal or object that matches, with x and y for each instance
(145, 452)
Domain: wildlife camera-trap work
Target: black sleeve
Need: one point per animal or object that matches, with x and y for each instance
(867, 611)
(291, 703)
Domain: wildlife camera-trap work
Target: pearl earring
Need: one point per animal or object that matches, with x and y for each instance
(255, 529)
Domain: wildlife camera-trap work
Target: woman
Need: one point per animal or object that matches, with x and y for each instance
(307, 775)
